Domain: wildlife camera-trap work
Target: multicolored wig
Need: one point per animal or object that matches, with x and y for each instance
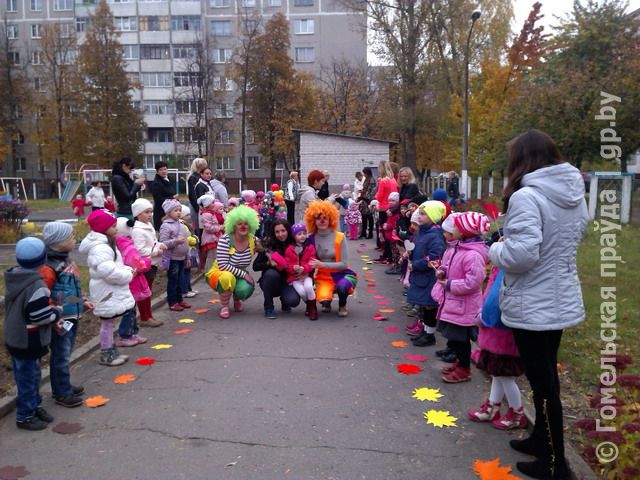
(317, 208)
(241, 213)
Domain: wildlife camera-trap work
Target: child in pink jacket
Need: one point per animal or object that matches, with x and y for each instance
(458, 289)
(211, 219)
(298, 255)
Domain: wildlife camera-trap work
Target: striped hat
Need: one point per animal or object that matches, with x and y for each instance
(472, 224)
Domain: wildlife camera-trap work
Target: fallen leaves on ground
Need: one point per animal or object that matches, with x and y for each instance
(408, 368)
(491, 470)
(399, 344)
(122, 379)
(186, 320)
(9, 472)
(215, 300)
(415, 358)
(96, 401)
(201, 310)
(440, 418)
(425, 393)
(145, 361)
(386, 310)
(380, 318)
(182, 331)
(162, 346)
(391, 329)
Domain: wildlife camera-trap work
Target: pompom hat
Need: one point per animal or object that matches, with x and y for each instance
(31, 253)
(139, 206)
(169, 204)
(472, 224)
(100, 220)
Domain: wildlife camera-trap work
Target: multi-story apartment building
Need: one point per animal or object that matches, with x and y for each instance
(159, 39)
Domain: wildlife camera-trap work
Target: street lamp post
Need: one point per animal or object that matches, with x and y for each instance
(465, 119)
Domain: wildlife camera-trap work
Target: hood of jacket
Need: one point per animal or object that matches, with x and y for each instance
(477, 245)
(562, 184)
(17, 280)
(91, 240)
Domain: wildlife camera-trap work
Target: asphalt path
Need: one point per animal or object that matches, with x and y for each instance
(252, 398)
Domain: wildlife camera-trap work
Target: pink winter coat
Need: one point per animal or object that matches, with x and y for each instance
(293, 259)
(212, 226)
(464, 265)
(139, 286)
(496, 340)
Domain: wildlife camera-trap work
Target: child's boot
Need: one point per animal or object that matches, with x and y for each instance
(513, 419)
(488, 412)
(110, 358)
(459, 375)
(312, 308)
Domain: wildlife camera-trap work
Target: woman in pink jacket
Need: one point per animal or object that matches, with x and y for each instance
(459, 288)
(386, 185)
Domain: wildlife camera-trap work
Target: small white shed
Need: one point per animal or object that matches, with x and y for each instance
(341, 155)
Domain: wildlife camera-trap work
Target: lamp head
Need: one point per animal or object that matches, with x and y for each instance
(475, 15)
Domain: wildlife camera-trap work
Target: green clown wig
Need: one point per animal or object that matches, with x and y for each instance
(241, 214)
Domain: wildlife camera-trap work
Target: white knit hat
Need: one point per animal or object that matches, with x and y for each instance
(122, 229)
(186, 211)
(206, 200)
(140, 205)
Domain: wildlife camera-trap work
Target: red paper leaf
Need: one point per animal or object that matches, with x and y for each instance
(372, 290)
(359, 251)
(385, 303)
(380, 318)
(363, 244)
(145, 361)
(492, 210)
(9, 472)
(408, 368)
(201, 310)
(65, 428)
(182, 331)
(380, 297)
(415, 358)
(371, 284)
(391, 329)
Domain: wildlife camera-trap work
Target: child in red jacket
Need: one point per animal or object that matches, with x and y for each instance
(78, 205)
(298, 255)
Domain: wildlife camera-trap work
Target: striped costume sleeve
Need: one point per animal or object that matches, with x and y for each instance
(224, 258)
(38, 310)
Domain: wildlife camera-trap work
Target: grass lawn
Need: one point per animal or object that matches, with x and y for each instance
(46, 204)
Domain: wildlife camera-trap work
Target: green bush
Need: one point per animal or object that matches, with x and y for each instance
(81, 230)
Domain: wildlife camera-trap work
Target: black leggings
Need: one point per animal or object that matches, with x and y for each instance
(273, 285)
(463, 352)
(367, 226)
(428, 316)
(291, 211)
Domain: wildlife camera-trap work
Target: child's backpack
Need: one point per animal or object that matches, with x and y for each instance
(67, 284)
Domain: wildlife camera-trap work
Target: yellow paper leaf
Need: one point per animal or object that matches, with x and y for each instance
(440, 418)
(185, 320)
(399, 344)
(121, 379)
(365, 268)
(424, 393)
(162, 346)
(491, 470)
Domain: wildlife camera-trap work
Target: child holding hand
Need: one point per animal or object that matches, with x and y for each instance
(298, 257)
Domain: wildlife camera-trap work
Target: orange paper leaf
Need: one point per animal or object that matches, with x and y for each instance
(96, 401)
(201, 310)
(399, 344)
(491, 470)
(215, 300)
(121, 379)
(182, 331)
(386, 310)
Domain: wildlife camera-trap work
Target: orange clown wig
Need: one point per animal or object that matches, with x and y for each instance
(317, 208)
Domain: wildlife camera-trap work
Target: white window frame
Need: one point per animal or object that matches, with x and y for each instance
(12, 32)
(21, 164)
(219, 3)
(131, 52)
(160, 79)
(12, 6)
(36, 5)
(36, 57)
(227, 53)
(226, 29)
(303, 58)
(304, 26)
(67, 30)
(125, 24)
(275, 3)
(303, 3)
(223, 84)
(157, 107)
(251, 163)
(223, 110)
(186, 50)
(14, 58)
(225, 137)
(250, 137)
(62, 5)
(224, 163)
(178, 21)
(36, 30)
(247, 3)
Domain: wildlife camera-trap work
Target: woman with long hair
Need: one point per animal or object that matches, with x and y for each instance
(407, 184)
(368, 193)
(546, 216)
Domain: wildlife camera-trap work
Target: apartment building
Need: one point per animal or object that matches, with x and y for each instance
(159, 39)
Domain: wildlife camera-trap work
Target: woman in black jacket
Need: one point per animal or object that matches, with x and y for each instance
(123, 187)
(407, 184)
(273, 281)
(162, 189)
(369, 189)
(197, 167)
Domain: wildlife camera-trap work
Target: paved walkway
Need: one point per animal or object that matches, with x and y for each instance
(251, 398)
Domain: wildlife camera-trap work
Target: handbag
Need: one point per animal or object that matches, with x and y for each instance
(491, 314)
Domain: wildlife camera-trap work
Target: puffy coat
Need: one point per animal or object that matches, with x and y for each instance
(146, 242)
(292, 259)
(429, 245)
(464, 263)
(110, 278)
(169, 232)
(544, 225)
(138, 286)
(212, 226)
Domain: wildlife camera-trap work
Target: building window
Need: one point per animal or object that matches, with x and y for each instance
(189, 106)
(184, 51)
(158, 107)
(253, 163)
(275, 3)
(20, 140)
(12, 5)
(120, 1)
(125, 24)
(130, 52)
(151, 160)
(221, 28)
(66, 30)
(160, 135)
(81, 24)
(218, 3)
(185, 22)
(21, 164)
(223, 110)
(153, 23)
(303, 3)
(155, 52)
(304, 54)
(189, 135)
(14, 58)
(225, 137)
(156, 79)
(186, 79)
(304, 26)
(222, 84)
(36, 30)
(247, 3)
(12, 31)
(36, 57)
(223, 163)
(37, 84)
(222, 55)
(250, 137)
(63, 4)
(42, 165)
(36, 5)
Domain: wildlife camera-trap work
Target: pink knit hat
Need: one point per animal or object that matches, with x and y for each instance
(100, 220)
(472, 224)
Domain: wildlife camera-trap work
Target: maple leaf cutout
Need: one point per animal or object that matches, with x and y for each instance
(424, 393)
(491, 470)
(186, 320)
(399, 344)
(145, 361)
(96, 401)
(408, 368)
(162, 346)
(122, 379)
(440, 418)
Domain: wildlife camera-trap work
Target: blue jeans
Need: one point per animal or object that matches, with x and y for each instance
(61, 346)
(186, 281)
(175, 280)
(26, 372)
(128, 325)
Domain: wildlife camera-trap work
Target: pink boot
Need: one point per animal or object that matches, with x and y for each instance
(488, 412)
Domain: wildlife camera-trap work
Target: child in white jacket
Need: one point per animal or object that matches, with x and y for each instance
(109, 283)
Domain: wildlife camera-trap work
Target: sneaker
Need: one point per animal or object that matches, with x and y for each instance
(450, 368)
(488, 412)
(139, 338)
(42, 414)
(126, 342)
(184, 304)
(111, 358)
(513, 419)
(190, 294)
(77, 390)
(424, 340)
(176, 307)
(392, 271)
(224, 313)
(69, 401)
(342, 312)
(32, 423)
(458, 375)
(238, 306)
(121, 355)
(152, 322)
(326, 307)
(270, 313)
(415, 331)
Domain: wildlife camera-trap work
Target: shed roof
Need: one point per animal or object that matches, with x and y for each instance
(357, 137)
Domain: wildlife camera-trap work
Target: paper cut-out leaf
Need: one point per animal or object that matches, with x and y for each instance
(372, 290)
(409, 368)
(386, 310)
(201, 310)
(424, 393)
(122, 379)
(371, 284)
(363, 244)
(186, 320)
(215, 300)
(380, 318)
(378, 297)
(492, 210)
(182, 331)
(365, 268)
(162, 346)
(9, 472)
(96, 401)
(399, 344)
(440, 418)
(383, 303)
(359, 251)
(391, 329)
(415, 358)
(145, 361)
(491, 470)
(65, 428)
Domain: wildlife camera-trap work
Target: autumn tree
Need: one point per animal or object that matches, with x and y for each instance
(112, 127)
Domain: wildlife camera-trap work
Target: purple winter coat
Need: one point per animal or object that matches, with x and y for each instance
(170, 230)
(464, 264)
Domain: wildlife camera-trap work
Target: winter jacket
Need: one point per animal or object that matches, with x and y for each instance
(544, 225)
(146, 242)
(429, 245)
(292, 259)
(291, 192)
(220, 191)
(63, 281)
(28, 314)
(162, 189)
(212, 224)
(192, 181)
(109, 284)
(453, 189)
(409, 191)
(125, 190)
(169, 232)
(391, 224)
(496, 340)
(95, 196)
(308, 194)
(464, 264)
(324, 191)
(138, 286)
(77, 205)
(385, 187)
(353, 215)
